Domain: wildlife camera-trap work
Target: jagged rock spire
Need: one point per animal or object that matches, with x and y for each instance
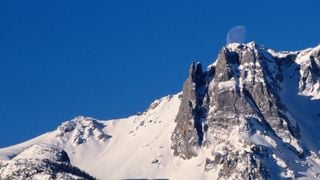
(189, 130)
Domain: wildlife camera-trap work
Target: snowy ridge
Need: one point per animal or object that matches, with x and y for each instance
(309, 61)
(91, 143)
(252, 114)
(41, 161)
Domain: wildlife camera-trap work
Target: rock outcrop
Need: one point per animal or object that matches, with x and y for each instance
(191, 118)
(239, 93)
(41, 161)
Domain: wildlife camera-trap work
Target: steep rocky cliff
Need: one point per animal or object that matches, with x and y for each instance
(237, 99)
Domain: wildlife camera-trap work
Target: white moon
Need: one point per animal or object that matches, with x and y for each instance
(237, 34)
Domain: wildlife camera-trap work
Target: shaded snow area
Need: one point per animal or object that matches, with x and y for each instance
(304, 107)
(253, 114)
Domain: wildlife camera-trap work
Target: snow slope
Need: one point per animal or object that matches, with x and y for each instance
(141, 146)
(136, 147)
(116, 148)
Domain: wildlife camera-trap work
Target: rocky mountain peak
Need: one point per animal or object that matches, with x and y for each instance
(252, 114)
(238, 93)
(81, 129)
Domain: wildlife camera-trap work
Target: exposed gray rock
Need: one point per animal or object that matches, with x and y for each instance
(192, 113)
(245, 80)
(155, 161)
(310, 73)
(209, 164)
(80, 129)
(218, 158)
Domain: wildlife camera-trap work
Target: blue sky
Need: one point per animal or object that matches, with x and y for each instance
(110, 59)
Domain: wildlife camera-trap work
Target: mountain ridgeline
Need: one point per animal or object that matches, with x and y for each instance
(252, 114)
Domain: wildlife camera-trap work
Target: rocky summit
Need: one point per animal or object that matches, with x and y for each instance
(238, 102)
(252, 114)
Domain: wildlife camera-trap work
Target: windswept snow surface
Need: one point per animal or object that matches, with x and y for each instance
(134, 147)
(138, 146)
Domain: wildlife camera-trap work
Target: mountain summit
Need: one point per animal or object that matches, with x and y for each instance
(240, 109)
(252, 114)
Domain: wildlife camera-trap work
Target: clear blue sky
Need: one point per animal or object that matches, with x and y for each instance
(110, 59)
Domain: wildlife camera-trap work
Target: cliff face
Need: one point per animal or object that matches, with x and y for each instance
(192, 115)
(222, 108)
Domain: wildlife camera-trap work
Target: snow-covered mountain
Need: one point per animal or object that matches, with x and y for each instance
(252, 114)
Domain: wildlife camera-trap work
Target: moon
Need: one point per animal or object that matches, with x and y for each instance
(237, 34)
